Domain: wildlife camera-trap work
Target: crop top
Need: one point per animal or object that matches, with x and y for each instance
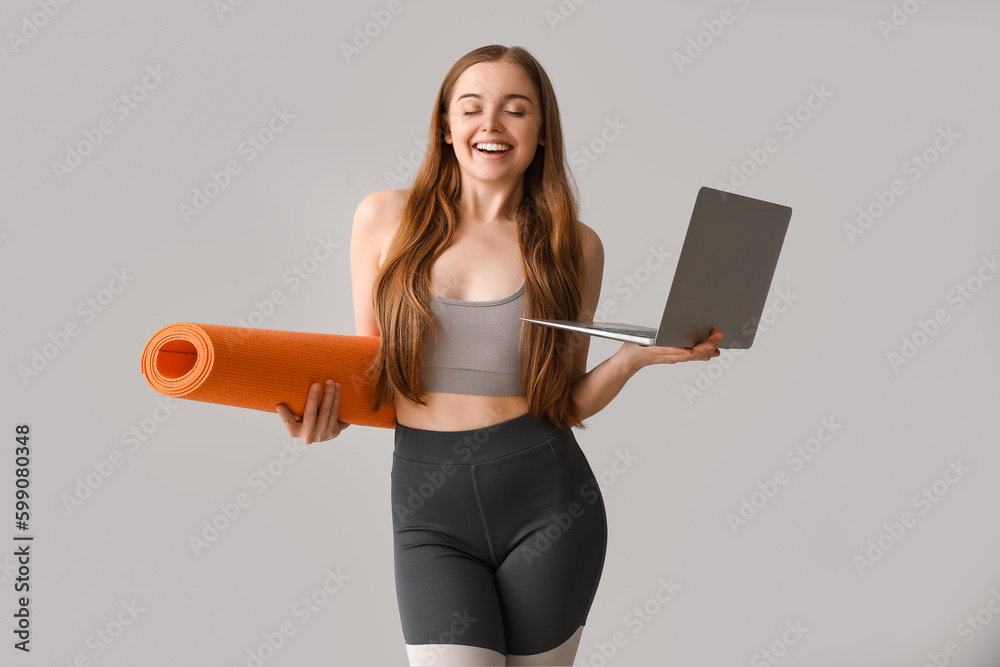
(478, 347)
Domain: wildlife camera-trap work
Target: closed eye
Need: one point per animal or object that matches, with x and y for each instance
(513, 113)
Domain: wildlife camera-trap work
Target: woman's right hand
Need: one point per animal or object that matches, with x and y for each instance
(319, 422)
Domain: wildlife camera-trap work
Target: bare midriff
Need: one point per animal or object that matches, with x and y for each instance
(458, 412)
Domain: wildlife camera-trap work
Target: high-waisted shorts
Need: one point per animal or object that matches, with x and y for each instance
(499, 535)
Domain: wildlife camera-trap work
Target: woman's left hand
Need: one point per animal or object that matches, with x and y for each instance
(640, 355)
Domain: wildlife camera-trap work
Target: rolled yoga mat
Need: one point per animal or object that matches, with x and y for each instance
(260, 368)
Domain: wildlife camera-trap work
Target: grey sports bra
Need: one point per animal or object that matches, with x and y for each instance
(479, 349)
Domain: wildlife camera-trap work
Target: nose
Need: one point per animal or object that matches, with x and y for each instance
(491, 121)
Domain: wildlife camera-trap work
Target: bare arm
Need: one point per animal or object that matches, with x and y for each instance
(594, 390)
(373, 221)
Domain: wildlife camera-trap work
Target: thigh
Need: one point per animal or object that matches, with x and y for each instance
(564, 654)
(445, 597)
(549, 576)
(444, 579)
(453, 655)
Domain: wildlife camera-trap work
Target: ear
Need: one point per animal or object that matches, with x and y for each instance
(541, 137)
(447, 129)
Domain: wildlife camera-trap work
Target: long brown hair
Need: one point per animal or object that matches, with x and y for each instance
(550, 242)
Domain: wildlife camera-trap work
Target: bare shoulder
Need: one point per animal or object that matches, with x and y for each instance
(593, 248)
(382, 201)
(593, 276)
(377, 218)
(593, 270)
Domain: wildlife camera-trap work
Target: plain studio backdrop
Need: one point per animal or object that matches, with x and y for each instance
(827, 498)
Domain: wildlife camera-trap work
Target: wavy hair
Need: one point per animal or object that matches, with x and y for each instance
(549, 240)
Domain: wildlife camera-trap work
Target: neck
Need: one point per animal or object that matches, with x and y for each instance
(491, 203)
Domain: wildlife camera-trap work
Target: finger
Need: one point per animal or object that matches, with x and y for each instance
(309, 414)
(715, 336)
(323, 416)
(336, 426)
(674, 351)
(685, 355)
(705, 348)
(288, 418)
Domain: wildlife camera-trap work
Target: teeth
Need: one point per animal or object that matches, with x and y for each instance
(493, 147)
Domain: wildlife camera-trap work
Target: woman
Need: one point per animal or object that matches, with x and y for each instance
(499, 525)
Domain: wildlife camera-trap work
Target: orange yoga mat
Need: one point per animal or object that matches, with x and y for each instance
(260, 368)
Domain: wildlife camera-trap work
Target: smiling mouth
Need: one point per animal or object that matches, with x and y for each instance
(491, 148)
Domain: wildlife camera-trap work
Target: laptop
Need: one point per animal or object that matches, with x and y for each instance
(722, 279)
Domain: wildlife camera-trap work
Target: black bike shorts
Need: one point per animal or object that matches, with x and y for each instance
(499, 535)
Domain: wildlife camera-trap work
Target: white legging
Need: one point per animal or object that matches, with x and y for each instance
(456, 655)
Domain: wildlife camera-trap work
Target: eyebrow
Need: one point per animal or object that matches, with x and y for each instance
(506, 97)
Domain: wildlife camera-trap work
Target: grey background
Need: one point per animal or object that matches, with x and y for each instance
(696, 456)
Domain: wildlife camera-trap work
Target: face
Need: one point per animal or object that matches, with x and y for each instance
(494, 103)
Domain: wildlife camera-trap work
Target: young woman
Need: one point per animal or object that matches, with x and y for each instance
(500, 529)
